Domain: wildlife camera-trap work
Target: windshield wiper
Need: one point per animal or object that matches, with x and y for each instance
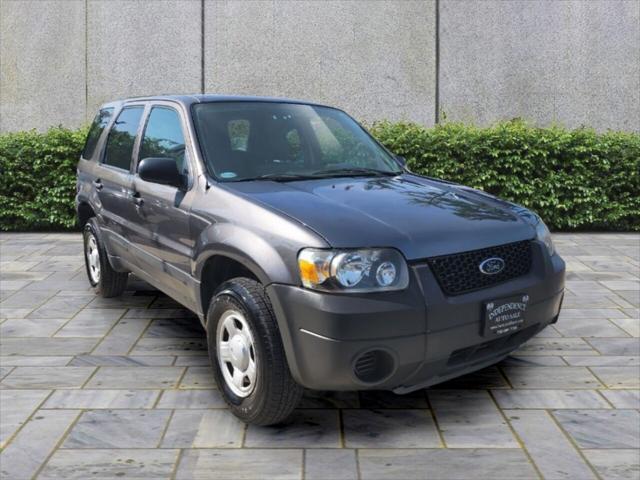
(334, 172)
(282, 177)
(356, 171)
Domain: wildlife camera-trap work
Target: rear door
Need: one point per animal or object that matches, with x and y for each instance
(163, 211)
(114, 181)
(89, 168)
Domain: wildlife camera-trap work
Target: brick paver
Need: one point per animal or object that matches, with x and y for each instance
(101, 388)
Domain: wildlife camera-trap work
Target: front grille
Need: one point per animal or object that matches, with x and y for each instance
(460, 273)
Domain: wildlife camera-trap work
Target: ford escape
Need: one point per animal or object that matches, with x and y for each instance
(312, 256)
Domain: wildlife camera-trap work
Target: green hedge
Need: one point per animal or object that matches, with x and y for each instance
(38, 179)
(575, 179)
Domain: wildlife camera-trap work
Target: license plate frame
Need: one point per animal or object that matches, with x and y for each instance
(505, 315)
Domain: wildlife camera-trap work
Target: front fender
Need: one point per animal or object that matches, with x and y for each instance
(263, 259)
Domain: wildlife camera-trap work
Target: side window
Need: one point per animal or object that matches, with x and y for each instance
(122, 137)
(238, 135)
(163, 137)
(100, 121)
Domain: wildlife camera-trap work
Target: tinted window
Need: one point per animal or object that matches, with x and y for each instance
(97, 127)
(122, 137)
(163, 137)
(250, 140)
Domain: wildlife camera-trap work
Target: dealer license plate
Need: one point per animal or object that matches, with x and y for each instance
(505, 315)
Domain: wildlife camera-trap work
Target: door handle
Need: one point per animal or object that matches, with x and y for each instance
(98, 184)
(137, 199)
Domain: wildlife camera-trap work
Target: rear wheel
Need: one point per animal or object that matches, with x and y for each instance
(247, 356)
(102, 276)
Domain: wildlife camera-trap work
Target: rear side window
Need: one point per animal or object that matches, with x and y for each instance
(163, 137)
(122, 137)
(97, 127)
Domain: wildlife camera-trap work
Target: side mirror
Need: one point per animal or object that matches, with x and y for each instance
(401, 160)
(161, 170)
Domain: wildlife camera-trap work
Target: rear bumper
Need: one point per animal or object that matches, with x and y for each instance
(425, 337)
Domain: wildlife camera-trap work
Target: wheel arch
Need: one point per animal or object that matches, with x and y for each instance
(85, 212)
(220, 266)
(239, 250)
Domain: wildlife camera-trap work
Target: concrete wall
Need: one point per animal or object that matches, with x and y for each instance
(574, 62)
(372, 58)
(141, 48)
(42, 63)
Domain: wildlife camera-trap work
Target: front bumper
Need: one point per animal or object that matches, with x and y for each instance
(427, 336)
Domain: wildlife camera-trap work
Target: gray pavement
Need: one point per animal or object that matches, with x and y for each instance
(101, 388)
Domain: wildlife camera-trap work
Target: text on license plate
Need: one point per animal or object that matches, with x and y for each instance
(505, 315)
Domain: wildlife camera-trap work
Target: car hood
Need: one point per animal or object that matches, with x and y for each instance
(418, 216)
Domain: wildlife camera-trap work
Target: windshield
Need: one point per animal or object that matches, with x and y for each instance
(285, 141)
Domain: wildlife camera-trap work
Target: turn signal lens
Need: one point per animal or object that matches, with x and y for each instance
(314, 266)
(308, 272)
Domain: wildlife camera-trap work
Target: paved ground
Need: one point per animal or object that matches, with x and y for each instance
(94, 388)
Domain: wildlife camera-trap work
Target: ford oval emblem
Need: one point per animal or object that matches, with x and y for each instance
(492, 266)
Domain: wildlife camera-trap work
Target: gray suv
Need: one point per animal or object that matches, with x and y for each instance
(311, 255)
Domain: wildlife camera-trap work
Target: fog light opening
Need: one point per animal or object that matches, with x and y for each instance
(373, 366)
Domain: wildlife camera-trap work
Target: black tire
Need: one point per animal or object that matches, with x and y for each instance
(109, 282)
(275, 394)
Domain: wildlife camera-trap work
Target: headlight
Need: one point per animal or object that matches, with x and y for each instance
(543, 234)
(365, 270)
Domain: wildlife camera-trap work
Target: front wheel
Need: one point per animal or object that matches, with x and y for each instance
(246, 353)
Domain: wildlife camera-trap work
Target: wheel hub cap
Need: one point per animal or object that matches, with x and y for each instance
(239, 352)
(93, 258)
(236, 353)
